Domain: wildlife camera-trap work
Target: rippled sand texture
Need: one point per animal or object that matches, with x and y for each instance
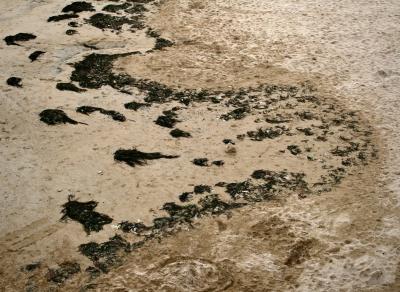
(305, 90)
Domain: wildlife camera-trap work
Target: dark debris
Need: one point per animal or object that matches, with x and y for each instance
(14, 81)
(19, 37)
(116, 116)
(69, 87)
(60, 17)
(200, 161)
(133, 105)
(134, 157)
(35, 55)
(56, 117)
(83, 212)
(78, 6)
(177, 133)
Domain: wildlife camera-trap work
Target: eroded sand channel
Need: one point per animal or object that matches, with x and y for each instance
(292, 194)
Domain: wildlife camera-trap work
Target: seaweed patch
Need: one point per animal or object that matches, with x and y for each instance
(134, 157)
(180, 213)
(200, 189)
(218, 162)
(266, 185)
(78, 6)
(83, 212)
(107, 21)
(168, 119)
(60, 17)
(19, 37)
(56, 117)
(116, 116)
(237, 114)
(178, 133)
(14, 81)
(294, 149)
(133, 105)
(162, 43)
(107, 254)
(212, 204)
(35, 55)
(69, 87)
(185, 196)
(71, 32)
(267, 133)
(116, 7)
(96, 70)
(200, 161)
(135, 228)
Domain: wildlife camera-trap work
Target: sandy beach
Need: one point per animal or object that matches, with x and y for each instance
(182, 145)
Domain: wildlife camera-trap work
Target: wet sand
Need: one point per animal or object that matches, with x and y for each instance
(342, 236)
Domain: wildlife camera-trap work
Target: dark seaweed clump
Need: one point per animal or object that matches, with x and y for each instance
(156, 92)
(214, 205)
(107, 21)
(116, 7)
(78, 6)
(73, 24)
(237, 114)
(96, 70)
(268, 184)
(136, 228)
(177, 133)
(83, 212)
(168, 119)
(269, 133)
(185, 197)
(14, 81)
(71, 32)
(181, 213)
(116, 116)
(201, 189)
(106, 255)
(294, 149)
(259, 174)
(55, 117)
(137, 8)
(19, 37)
(60, 17)
(35, 55)
(69, 87)
(228, 141)
(133, 105)
(65, 271)
(218, 162)
(178, 214)
(134, 157)
(200, 161)
(162, 43)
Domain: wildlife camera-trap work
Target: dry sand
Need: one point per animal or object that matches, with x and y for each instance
(346, 239)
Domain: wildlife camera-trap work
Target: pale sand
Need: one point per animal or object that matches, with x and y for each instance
(348, 50)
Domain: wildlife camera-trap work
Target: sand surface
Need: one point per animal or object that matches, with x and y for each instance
(342, 238)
